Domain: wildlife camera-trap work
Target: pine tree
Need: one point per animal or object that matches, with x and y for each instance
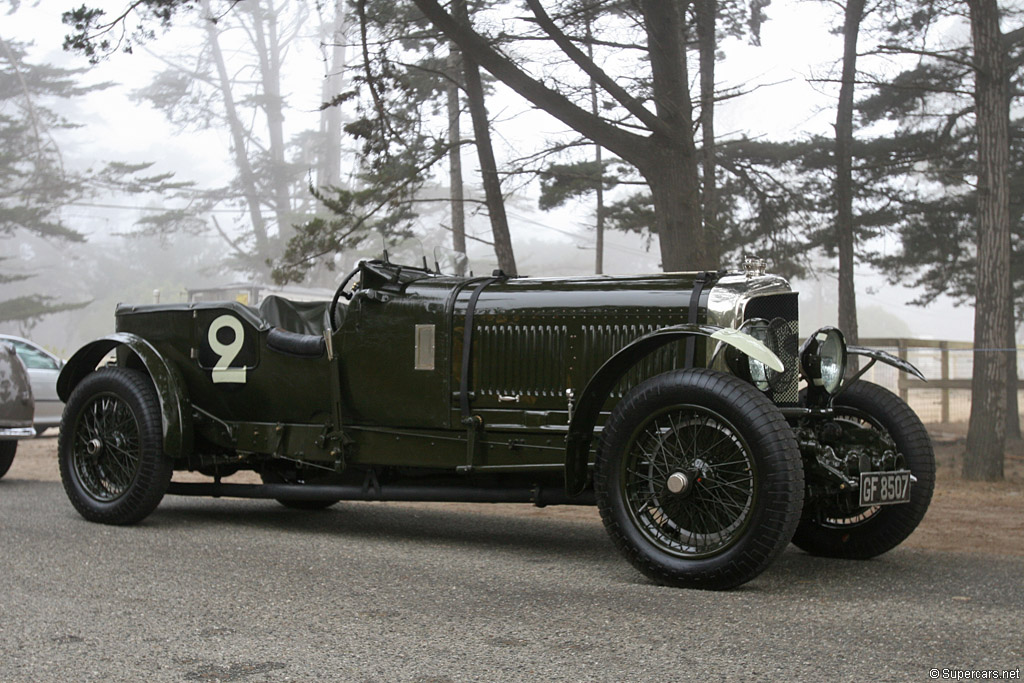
(957, 220)
(34, 184)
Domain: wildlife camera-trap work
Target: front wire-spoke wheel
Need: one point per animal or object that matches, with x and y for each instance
(110, 450)
(698, 479)
(838, 526)
(688, 481)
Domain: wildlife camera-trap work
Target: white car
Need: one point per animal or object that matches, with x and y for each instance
(43, 368)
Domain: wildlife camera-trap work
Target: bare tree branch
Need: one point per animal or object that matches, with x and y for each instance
(904, 50)
(623, 143)
(597, 74)
(232, 243)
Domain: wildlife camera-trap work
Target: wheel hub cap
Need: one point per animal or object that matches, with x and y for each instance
(678, 483)
(93, 446)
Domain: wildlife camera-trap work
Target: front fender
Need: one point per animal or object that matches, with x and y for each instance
(588, 408)
(888, 358)
(170, 386)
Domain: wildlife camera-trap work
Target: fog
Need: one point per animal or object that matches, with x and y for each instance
(785, 99)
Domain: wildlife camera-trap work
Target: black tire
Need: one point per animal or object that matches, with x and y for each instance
(743, 493)
(110, 449)
(273, 477)
(862, 533)
(7, 451)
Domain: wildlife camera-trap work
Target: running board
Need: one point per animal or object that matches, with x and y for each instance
(539, 496)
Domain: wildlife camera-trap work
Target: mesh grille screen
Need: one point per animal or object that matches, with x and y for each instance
(782, 311)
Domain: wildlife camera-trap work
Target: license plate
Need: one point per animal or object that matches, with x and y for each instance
(884, 488)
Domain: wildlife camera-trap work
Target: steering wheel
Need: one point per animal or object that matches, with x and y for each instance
(340, 292)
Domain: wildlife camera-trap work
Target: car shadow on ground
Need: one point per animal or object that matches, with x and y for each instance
(541, 536)
(397, 522)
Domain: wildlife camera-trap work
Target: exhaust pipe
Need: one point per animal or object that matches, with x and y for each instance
(539, 496)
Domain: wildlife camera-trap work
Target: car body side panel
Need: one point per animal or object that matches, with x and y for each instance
(532, 340)
(397, 365)
(536, 344)
(235, 376)
(391, 357)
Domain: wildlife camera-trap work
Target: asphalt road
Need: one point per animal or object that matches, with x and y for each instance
(229, 590)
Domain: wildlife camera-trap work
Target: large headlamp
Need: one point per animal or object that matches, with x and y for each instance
(823, 359)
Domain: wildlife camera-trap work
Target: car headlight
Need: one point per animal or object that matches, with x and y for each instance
(823, 359)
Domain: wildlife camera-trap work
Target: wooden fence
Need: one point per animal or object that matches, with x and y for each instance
(946, 396)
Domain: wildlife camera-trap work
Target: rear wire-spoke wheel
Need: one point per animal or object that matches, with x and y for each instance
(105, 452)
(698, 479)
(110, 450)
(840, 527)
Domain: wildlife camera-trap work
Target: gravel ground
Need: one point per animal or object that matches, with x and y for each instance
(229, 590)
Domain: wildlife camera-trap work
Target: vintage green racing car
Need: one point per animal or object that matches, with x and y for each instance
(672, 401)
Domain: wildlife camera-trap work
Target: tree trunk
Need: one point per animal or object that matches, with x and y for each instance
(673, 176)
(844, 174)
(707, 39)
(455, 159)
(485, 152)
(599, 218)
(1012, 404)
(246, 176)
(599, 187)
(268, 49)
(986, 435)
(677, 211)
(328, 170)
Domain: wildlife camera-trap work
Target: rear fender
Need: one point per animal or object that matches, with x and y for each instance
(170, 386)
(588, 408)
